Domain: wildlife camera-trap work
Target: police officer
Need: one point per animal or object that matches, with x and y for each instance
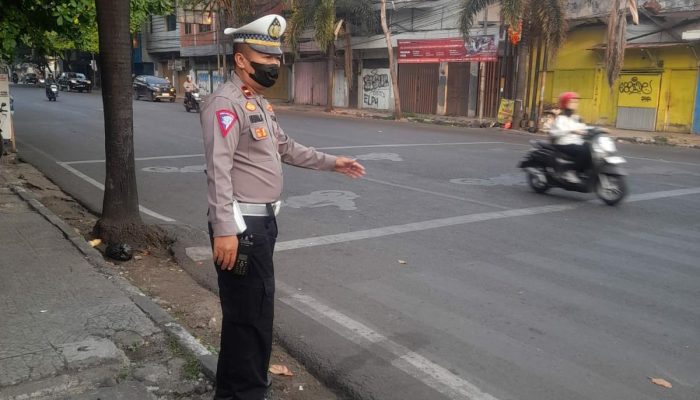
(245, 148)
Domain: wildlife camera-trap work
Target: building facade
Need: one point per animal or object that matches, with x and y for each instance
(433, 83)
(657, 89)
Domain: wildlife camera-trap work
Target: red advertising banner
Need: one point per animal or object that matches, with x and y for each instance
(476, 49)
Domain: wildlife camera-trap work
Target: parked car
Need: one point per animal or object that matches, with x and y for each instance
(31, 79)
(153, 88)
(74, 81)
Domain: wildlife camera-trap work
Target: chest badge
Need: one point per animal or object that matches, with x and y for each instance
(269, 107)
(260, 133)
(250, 106)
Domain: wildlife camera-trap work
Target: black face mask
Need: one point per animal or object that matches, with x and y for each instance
(265, 74)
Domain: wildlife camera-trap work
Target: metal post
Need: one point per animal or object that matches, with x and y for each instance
(482, 73)
(218, 47)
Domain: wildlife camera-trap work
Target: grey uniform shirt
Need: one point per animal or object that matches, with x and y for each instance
(245, 147)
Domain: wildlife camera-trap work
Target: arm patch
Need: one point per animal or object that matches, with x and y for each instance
(227, 119)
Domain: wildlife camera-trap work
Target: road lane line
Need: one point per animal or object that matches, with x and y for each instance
(102, 187)
(408, 361)
(447, 196)
(661, 195)
(661, 160)
(406, 145)
(417, 226)
(462, 220)
(320, 148)
(137, 159)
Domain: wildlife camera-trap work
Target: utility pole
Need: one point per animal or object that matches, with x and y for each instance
(482, 73)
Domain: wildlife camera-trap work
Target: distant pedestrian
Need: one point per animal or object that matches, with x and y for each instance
(189, 88)
(245, 148)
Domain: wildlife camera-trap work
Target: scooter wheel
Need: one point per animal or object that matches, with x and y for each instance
(614, 189)
(536, 183)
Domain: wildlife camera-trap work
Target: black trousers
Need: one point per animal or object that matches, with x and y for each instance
(247, 304)
(580, 154)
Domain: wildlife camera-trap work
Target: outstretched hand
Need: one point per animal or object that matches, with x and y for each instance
(349, 167)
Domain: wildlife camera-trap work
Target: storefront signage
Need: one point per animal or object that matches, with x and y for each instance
(505, 111)
(639, 90)
(482, 48)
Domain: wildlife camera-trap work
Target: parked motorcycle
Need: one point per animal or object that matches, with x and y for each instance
(193, 101)
(52, 92)
(546, 167)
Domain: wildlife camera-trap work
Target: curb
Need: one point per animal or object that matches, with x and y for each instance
(207, 360)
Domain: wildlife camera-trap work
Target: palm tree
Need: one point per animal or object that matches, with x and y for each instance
(543, 20)
(326, 18)
(392, 68)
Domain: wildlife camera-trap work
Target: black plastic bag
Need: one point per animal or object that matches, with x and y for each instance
(121, 252)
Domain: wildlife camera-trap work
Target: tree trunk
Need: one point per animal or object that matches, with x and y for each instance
(120, 221)
(349, 73)
(392, 65)
(331, 77)
(521, 77)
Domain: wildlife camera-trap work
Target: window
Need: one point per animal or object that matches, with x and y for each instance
(189, 28)
(171, 22)
(204, 27)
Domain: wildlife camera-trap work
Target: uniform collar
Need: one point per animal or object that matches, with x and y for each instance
(247, 92)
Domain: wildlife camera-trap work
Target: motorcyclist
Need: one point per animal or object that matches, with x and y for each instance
(567, 136)
(47, 85)
(189, 88)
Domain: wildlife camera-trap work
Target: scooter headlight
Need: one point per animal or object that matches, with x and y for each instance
(607, 144)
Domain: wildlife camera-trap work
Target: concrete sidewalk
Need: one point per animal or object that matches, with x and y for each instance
(69, 330)
(658, 138)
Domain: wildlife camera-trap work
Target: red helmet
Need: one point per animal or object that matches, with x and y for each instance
(565, 98)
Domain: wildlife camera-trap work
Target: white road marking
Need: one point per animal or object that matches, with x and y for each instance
(102, 187)
(342, 199)
(447, 196)
(320, 148)
(661, 195)
(406, 145)
(379, 157)
(462, 220)
(664, 161)
(92, 181)
(410, 362)
(417, 226)
(138, 159)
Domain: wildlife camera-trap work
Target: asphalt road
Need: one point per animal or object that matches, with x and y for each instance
(441, 275)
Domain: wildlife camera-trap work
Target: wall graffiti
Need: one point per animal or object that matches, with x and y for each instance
(639, 90)
(636, 86)
(376, 88)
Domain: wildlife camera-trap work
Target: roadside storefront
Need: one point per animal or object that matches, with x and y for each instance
(656, 89)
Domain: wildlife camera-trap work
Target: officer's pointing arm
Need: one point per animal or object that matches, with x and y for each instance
(221, 130)
(299, 155)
